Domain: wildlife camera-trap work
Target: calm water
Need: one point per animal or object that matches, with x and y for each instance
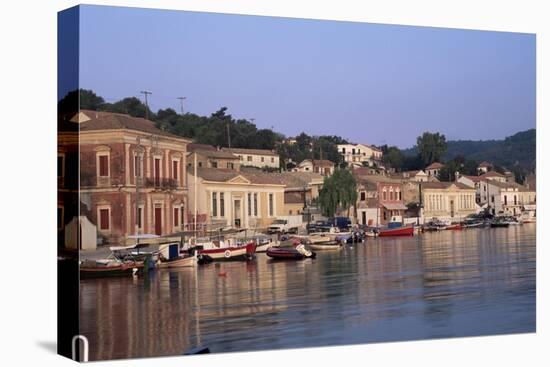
(437, 285)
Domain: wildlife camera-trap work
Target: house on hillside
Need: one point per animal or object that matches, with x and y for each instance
(255, 157)
(323, 167)
(433, 169)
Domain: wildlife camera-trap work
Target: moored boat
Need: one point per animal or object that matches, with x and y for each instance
(99, 269)
(453, 227)
(178, 262)
(298, 252)
(244, 252)
(397, 231)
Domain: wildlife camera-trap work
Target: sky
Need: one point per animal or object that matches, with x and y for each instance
(369, 83)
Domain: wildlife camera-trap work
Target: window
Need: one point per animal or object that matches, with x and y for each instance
(157, 171)
(399, 193)
(175, 170)
(104, 220)
(271, 205)
(60, 166)
(263, 159)
(200, 164)
(60, 223)
(140, 217)
(363, 196)
(104, 165)
(214, 164)
(384, 195)
(240, 157)
(230, 165)
(249, 204)
(255, 204)
(272, 159)
(214, 205)
(249, 158)
(515, 200)
(343, 150)
(505, 199)
(137, 166)
(222, 205)
(176, 217)
(492, 198)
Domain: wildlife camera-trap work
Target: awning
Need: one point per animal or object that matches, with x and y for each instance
(396, 206)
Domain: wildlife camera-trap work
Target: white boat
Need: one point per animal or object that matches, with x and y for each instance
(178, 262)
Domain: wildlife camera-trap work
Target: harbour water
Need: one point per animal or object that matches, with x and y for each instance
(435, 285)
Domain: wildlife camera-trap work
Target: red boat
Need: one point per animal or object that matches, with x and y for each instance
(454, 227)
(245, 252)
(398, 231)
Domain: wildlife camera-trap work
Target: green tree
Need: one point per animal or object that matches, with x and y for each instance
(392, 157)
(339, 191)
(431, 147)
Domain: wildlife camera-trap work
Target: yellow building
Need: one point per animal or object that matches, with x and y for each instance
(227, 198)
(451, 201)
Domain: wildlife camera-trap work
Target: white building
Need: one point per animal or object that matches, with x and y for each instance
(255, 157)
(356, 154)
(505, 198)
(481, 186)
(321, 166)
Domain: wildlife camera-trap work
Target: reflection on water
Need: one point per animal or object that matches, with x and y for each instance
(440, 284)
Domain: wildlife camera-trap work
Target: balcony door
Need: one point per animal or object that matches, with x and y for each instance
(158, 221)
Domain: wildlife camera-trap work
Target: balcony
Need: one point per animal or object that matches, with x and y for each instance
(161, 183)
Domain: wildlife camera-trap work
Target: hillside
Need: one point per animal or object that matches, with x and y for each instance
(516, 150)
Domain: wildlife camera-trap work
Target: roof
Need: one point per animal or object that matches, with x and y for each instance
(445, 185)
(435, 165)
(100, 120)
(394, 206)
(293, 198)
(251, 151)
(485, 164)
(299, 179)
(195, 146)
(322, 163)
(225, 175)
(215, 154)
(492, 174)
(474, 178)
(377, 179)
(508, 185)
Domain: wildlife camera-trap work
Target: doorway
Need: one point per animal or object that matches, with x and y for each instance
(237, 213)
(158, 221)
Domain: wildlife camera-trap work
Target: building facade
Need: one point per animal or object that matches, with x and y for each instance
(323, 167)
(211, 157)
(358, 154)
(227, 198)
(132, 175)
(433, 169)
(259, 158)
(448, 201)
(379, 200)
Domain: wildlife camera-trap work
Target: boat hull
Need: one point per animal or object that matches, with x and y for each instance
(184, 262)
(231, 253)
(288, 253)
(400, 231)
(125, 269)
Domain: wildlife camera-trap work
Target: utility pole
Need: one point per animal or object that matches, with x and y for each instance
(145, 93)
(181, 101)
(228, 136)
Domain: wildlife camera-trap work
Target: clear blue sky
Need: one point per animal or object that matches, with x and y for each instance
(369, 83)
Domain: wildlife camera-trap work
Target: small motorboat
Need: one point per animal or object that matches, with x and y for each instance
(263, 243)
(298, 252)
(108, 268)
(434, 225)
(177, 262)
(244, 252)
(453, 227)
(397, 231)
(500, 222)
(324, 247)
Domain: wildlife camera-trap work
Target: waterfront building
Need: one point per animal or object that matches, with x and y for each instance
(449, 201)
(480, 184)
(433, 169)
(130, 176)
(228, 198)
(508, 198)
(301, 191)
(379, 199)
(211, 157)
(260, 158)
(323, 167)
(360, 154)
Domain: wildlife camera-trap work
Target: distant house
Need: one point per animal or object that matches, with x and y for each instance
(321, 166)
(208, 156)
(358, 154)
(255, 157)
(433, 169)
(494, 175)
(484, 167)
(449, 201)
(417, 176)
